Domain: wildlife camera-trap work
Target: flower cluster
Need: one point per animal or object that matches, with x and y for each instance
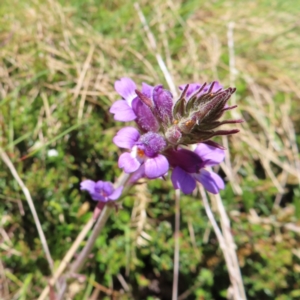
(166, 127)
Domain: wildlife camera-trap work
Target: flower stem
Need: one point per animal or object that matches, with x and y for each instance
(30, 202)
(79, 262)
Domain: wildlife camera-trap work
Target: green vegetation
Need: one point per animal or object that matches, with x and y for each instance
(58, 64)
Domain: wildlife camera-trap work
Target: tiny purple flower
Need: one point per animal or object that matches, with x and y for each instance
(189, 167)
(144, 155)
(102, 191)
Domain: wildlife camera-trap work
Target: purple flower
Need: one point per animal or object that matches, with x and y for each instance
(195, 87)
(102, 191)
(189, 167)
(144, 155)
(163, 102)
(122, 108)
(148, 107)
(153, 107)
(132, 107)
(145, 119)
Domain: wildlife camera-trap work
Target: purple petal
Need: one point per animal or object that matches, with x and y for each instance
(88, 185)
(122, 111)
(193, 87)
(116, 194)
(147, 90)
(138, 174)
(128, 163)
(156, 167)
(210, 155)
(214, 144)
(94, 189)
(126, 88)
(185, 159)
(211, 181)
(104, 187)
(98, 197)
(163, 102)
(183, 181)
(217, 86)
(144, 116)
(98, 194)
(126, 137)
(99, 186)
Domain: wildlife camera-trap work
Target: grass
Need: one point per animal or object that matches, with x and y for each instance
(58, 64)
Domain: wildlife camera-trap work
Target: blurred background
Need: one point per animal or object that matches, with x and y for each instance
(58, 64)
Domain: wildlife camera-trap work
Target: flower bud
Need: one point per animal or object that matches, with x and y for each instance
(173, 135)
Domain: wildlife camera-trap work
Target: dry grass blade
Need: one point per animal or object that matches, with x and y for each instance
(231, 246)
(27, 195)
(227, 246)
(66, 260)
(153, 46)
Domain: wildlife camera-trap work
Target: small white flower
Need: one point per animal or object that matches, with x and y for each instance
(52, 153)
